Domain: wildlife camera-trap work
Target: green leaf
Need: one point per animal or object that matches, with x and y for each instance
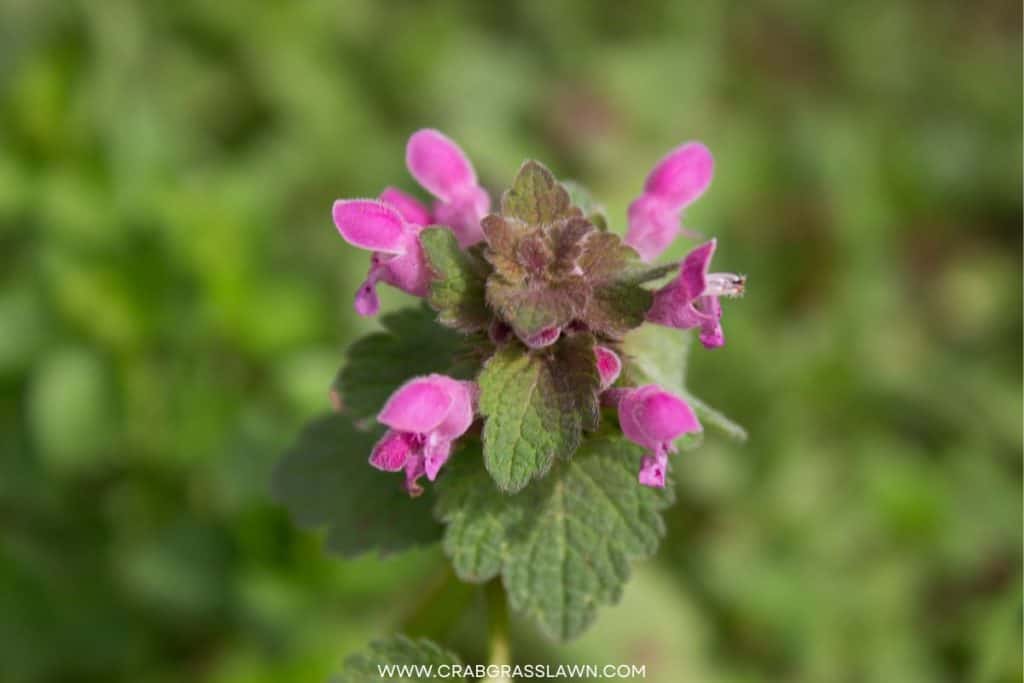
(503, 237)
(536, 407)
(614, 271)
(411, 344)
(457, 290)
(563, 545)
(658, 354)
(324, 480)
(536, 197)
(530, 308)
(399, 651)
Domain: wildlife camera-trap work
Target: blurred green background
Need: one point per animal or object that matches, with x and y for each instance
(174, 302)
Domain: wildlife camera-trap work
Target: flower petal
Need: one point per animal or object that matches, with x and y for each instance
(418, 406)
(435, 455)
(673, 304)
(439, 165)
(682, 175)
(392, 451)
(653, 225)
(370, 224)
(693, 272)
(460, 412)
(412, 209)
(463, 216)
(653, 418)
(414, 469)
(608, 366)
(546, 337)
(652, 471)
(367, 303)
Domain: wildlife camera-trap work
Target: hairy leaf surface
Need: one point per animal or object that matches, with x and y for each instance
(324, 481)
(398, 650)
(563, 545)
(457, 290)
(536, 407)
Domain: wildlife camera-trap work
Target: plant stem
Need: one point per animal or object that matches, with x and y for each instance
(497, 618)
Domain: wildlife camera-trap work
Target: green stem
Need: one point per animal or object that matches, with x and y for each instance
(497, 618)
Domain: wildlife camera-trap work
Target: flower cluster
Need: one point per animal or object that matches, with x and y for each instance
(546, 270)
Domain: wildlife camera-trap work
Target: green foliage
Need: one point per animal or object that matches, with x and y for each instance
(166, 174)
(457, 290)
(324, 481)
(536, 198)
(563, 546)
(411, 344)
(536, 406)
(397, 650)
(617, 302)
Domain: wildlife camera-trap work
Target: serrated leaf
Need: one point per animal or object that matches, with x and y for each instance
(567, 240)
(614, 271)
(530, 308)
(536, 197)
(503, 237)
(536, 407)
(563, 546)
(457, 290)
(324, 480)
(657, 354)
(411, 344)
(397, 651)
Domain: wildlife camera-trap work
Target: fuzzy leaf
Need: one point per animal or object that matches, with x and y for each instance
(398, 650)
(324, 480)
(503, 237)
(563, 546)
(457, 290)
(614, 271)
(536, 406)
(536, 197)
(529, 308)
(657, 354)
(411, 344)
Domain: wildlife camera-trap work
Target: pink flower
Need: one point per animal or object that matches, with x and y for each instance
(412, 209)
(608, 366)
(441, 167)
(676, 182)
(653, 418)
(424, 416)
(387, 232)
(691, 299)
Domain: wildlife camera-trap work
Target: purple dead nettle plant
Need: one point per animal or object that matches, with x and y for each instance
(553, 255)
(542, 384)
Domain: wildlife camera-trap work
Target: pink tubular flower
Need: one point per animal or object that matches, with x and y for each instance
(424, 416)
(676, 182)
(397, 256)
(412, 209)
(653, 418)
(608, 366)
(691, 299)
(441, 167)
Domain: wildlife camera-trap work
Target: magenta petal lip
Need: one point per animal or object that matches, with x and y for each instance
(370, 224)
